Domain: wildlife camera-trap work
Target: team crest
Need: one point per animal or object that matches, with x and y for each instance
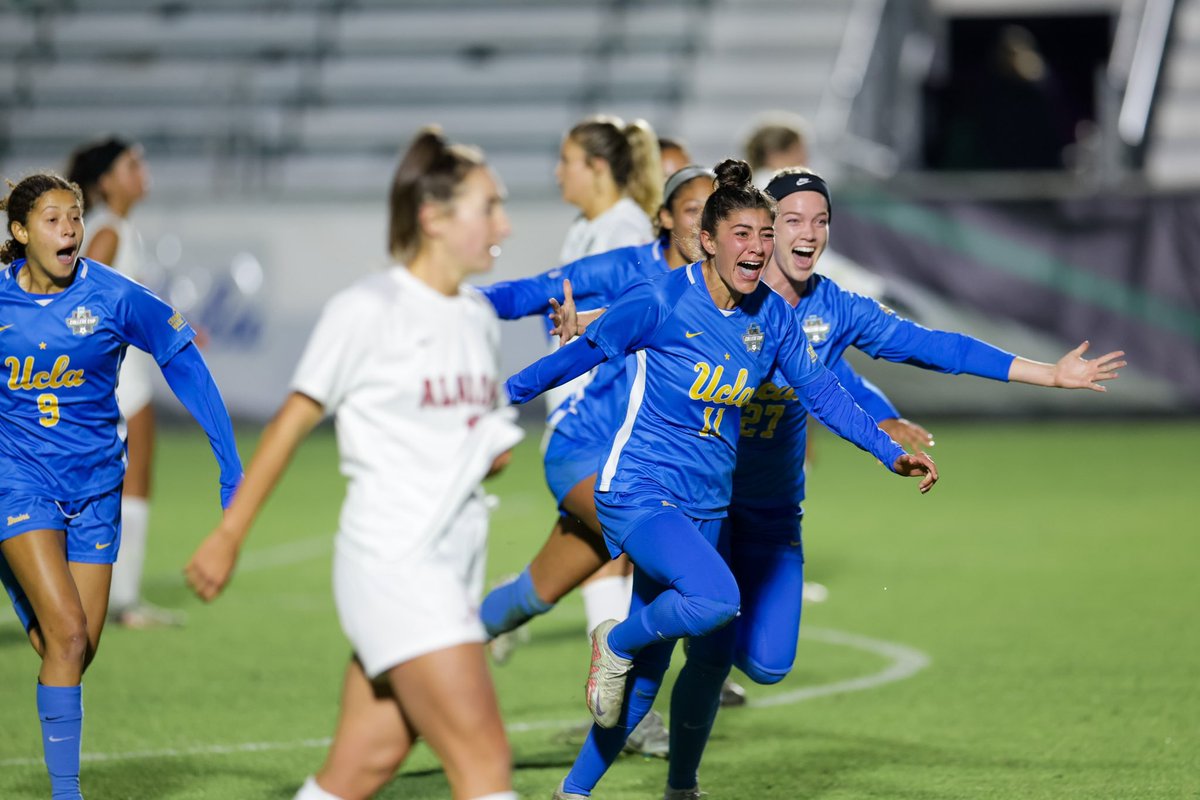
(82, 322)
(816, 329)
(753, 338)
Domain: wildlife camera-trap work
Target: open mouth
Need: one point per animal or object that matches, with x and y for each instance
(66, 255)
(804, 252)
(749, 270)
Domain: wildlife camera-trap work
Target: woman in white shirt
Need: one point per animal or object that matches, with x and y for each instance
(408, 363)
(612, 172)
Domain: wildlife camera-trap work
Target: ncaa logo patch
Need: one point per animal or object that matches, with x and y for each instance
(82, 322)
(753, 338)
(815, 328)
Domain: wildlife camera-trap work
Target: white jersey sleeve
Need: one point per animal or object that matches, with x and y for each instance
(338, 348)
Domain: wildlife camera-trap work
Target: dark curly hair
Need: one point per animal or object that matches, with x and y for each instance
(22, 197)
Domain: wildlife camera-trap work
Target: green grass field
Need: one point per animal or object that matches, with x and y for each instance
(1049, 581)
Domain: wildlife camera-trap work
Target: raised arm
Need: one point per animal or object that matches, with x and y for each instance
(1072, 371)
(210, 567)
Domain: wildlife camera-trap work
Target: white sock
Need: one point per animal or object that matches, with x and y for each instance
(606, 598)
(497, 796)
(311, 791)
(126, 589)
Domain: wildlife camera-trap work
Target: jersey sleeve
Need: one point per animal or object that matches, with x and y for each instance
(190, 380)
(866, 394)
(881, 334)
(335, 353)
(631, 322)
(829, 402)
(594, 280)
(152, 325)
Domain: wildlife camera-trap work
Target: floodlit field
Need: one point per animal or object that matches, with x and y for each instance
(1028, 630)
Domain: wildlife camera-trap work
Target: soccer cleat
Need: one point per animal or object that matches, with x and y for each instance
(501, 647)
(146, 615)
(732, 694)
(605, 689)
(559, 794)
(814, 592)
(650, 738)
(693, 793)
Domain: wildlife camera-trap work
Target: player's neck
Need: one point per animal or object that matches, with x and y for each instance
(36, 280)
(436, 276)
(774, 277)
(723, 296)
(604, 199)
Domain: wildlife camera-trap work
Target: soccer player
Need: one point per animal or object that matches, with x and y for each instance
(702, 338)
(113, 176)
(611, 171)
(65, 324)
(407, 361)
(765, 515)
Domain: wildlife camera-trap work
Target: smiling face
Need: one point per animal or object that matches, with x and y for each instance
(740, 248)
(681, 218)
(801, 234)
(52, 234)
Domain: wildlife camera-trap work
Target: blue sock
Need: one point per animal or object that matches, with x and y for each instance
(695, 701)
(61, 710)
(603, 745)
(510, 606)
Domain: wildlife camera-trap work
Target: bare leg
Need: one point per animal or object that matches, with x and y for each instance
(371, 741)
(448, 696)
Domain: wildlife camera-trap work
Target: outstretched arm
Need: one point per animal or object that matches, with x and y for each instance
(210, 567)
(1072, 371)
(871, 398)
(193, 384)
(553, 370)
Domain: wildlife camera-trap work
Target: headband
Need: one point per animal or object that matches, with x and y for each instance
(788, 183)
(682, 176)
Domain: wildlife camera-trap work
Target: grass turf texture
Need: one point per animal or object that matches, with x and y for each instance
(1050, 578)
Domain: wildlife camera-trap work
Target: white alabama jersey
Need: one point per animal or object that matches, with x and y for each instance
(128, 258)
(623, 225)
(412, 379)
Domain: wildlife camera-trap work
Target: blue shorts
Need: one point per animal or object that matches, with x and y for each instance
(567, 462)
(92, 526)
(778, 528)
(622, 512)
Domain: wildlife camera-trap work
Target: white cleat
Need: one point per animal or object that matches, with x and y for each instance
(650, 738)
(502, 645)
(605, 688)
(559, 794)
(814, 592)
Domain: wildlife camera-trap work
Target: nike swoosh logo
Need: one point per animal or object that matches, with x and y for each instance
(60, 739)
(691, 335)
(102, 546)
(5, 327)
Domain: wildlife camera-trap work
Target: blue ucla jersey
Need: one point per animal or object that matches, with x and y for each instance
(62, 353)
(596, 282)
(693, 369)
(770, 472)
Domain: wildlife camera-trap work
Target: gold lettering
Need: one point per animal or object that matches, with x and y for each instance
(702, 367)
(22, 376)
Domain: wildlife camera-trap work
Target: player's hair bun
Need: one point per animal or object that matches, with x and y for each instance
(734, 173)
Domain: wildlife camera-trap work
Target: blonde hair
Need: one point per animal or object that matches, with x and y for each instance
(631, 151)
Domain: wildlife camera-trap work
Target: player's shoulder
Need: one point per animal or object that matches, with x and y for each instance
(101, 276)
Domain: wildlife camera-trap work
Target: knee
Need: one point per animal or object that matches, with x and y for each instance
(757, 671)
(704, 614)
(68, 641)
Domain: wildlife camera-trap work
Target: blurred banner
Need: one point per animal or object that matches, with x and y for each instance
(1122, 271)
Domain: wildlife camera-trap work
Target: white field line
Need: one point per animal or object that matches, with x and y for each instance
(904, 663)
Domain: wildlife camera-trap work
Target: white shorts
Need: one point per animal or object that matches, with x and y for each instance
(135, 384)
(393, 612)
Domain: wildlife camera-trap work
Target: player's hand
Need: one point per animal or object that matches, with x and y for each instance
(498, 464)
(1073, 371)
(914, 464)
(566, 321)
(210, 567)
(907, 434)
